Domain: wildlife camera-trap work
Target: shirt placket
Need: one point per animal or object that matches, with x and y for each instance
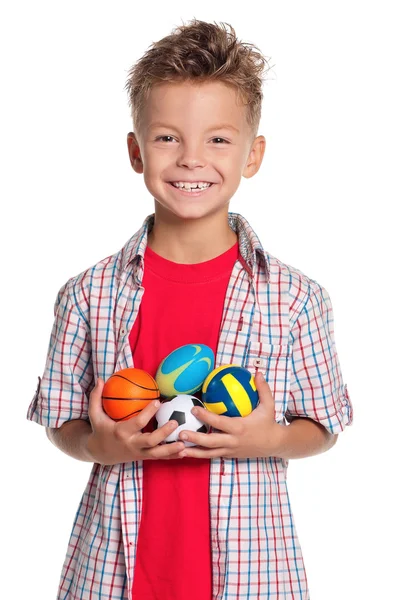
(131, 474)
(233, 340)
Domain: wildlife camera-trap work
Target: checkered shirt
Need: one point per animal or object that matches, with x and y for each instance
(275, 319)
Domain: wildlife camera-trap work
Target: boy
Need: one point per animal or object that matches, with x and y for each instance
(210, 521)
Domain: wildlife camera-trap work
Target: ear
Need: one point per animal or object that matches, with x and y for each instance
(134, 153)
(255, 157)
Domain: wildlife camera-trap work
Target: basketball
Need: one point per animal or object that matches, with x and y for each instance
(230, 391)
(184, 370)
(127, 392)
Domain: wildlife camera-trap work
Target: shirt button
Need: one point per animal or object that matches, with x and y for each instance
(258, 362)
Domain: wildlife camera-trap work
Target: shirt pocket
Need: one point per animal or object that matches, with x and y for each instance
(275, 362)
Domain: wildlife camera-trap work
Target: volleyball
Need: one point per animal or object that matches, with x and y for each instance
(230, 391)
(184, 370)
(127, 392)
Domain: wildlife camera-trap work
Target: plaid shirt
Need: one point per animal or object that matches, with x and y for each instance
(275, 318)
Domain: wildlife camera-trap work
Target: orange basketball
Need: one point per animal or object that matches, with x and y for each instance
(127, 392)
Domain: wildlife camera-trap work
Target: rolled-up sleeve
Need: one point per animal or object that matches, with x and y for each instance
(62, 392)
(317, 390)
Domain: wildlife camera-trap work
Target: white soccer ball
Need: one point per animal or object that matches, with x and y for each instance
(179, 409)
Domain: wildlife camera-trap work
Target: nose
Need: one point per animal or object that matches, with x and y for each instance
(191, 156)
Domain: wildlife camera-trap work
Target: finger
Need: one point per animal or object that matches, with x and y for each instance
(193, 452)
(140, 421)
(153, 438)
(164, 451)
(208, 440)
(264, 391)
(96, 410)
(227, 424)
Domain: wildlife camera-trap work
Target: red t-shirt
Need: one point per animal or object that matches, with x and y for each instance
(181, 304)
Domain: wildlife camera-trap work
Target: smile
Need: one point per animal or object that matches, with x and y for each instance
(191, 184)
(191, 189)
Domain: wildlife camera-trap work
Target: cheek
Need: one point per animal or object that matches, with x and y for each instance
(156, 163)
(229, 161)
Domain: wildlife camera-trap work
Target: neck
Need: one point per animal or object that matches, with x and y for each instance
(190, 241)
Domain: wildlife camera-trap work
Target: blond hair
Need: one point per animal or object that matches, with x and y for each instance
(200, 52)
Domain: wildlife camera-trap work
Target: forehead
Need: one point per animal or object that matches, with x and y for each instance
(204, 104)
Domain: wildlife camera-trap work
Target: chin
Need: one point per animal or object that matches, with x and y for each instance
(187, 212)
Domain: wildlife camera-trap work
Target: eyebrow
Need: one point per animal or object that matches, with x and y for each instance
(220, 126)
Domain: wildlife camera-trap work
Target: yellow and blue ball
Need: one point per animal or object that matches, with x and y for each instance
(184, 370)
(230, 391)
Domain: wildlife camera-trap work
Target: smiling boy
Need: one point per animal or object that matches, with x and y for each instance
(211, 521)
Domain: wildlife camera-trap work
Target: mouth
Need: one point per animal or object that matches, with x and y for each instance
(191, 191)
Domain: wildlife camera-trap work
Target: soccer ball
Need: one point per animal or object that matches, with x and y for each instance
(179, 409)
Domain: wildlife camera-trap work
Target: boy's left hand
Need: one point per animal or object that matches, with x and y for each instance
(256, 435)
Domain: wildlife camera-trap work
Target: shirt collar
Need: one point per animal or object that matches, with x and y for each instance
(250, 247)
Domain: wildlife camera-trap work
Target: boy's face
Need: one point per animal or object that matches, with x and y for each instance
(194, 133)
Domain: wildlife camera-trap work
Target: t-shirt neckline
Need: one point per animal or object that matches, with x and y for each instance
(215, 268)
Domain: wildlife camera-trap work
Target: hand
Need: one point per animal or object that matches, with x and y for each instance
(257, 435)
(112, 442)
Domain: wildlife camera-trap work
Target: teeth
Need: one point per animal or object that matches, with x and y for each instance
(191, 186)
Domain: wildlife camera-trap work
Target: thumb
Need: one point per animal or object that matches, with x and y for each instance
(95, 400)
(264, 392)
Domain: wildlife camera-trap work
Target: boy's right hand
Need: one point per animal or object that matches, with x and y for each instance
(111, 442)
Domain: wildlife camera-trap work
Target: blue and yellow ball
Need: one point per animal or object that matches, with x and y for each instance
(184, 370)
(230, 391)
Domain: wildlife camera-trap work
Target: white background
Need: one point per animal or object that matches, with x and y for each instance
(319, 203)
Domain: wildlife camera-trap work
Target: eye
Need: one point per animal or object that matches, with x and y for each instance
(221, 140)
(164, 138)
